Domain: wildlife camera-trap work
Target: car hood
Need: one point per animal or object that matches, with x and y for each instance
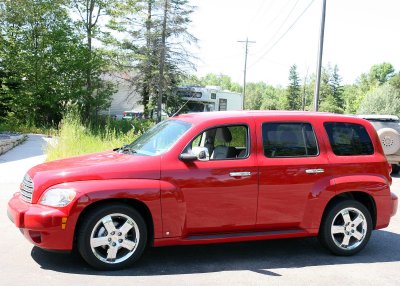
(98, 166)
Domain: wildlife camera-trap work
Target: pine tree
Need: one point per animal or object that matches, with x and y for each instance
(335, 83)
(155, 39)
(293, 91)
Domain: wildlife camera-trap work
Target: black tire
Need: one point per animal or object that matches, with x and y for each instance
(91, 224)
(395, 169)
(331, 241)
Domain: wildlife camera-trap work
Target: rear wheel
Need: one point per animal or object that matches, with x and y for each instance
(346, 228)
(112, 237)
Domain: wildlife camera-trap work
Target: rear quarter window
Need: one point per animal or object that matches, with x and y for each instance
(348, 139)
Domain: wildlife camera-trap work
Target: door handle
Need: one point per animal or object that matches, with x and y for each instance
(314, 171)
(240, 174)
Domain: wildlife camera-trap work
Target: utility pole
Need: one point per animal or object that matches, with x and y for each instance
(319, 59)
(162, 62)
(303, 104)
(245, 67)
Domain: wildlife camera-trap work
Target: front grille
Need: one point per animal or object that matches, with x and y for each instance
(26, 189)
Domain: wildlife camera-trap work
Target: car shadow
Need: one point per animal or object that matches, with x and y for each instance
(261, 256)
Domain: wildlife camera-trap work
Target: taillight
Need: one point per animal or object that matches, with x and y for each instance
(124, 113)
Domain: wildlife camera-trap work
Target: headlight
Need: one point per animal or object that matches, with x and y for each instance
(57, 197)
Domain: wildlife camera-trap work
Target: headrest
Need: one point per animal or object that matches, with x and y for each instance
(223, 134)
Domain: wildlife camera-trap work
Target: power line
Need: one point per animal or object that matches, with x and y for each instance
(282, 24)
(283, 35)
(260, 12)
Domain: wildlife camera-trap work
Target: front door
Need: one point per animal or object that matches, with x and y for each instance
(220, 194)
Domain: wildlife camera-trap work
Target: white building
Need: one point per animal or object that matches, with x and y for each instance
(126, 98)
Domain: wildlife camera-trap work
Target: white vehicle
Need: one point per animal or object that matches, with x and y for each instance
(210, 98)
(388, 129)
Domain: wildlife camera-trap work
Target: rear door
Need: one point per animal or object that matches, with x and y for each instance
(292, 162)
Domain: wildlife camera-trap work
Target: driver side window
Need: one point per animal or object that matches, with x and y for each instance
(224, 142)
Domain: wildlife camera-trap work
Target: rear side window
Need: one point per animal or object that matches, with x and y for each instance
(349, 139)
(288, 139)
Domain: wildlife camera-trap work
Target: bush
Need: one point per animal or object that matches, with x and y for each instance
(74, 138)
(13, 125)
(382, 100)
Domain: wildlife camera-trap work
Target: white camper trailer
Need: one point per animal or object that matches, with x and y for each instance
(209, 98)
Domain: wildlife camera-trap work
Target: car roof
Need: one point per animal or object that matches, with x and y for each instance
(215, 115)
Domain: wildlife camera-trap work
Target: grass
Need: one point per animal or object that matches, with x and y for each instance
(75, 138)
(9, 125)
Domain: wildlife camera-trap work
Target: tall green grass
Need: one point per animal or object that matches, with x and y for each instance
(75, 138)
(9, 125)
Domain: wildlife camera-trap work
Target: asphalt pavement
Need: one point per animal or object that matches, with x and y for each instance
(274, 262)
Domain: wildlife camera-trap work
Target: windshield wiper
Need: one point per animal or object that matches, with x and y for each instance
(126, 149)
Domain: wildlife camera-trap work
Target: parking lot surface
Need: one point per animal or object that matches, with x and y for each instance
(274, 262)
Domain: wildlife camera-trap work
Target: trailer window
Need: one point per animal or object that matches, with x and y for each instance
(223, 104)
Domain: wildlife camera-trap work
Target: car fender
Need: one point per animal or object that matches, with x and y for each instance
(375, 185)
(90, 192)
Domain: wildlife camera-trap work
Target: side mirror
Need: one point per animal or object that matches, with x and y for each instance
(197, 153)
(188, 157)
(201, 153)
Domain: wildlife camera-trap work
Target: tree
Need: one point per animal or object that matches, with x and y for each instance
(294, 99)
(335, 83)
(395, 81)
(255, 95)
(41, 60)
(155, 37)
(381, 73)
(383, 100)
(223, 81)
(98, 91)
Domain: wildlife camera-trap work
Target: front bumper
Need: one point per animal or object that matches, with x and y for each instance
(43, 226)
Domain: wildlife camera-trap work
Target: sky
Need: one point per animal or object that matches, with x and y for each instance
(358, 34)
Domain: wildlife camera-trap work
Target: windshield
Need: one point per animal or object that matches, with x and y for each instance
(160, 138)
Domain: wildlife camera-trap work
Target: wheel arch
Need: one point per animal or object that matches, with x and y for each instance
(362, 197)
(138, 205)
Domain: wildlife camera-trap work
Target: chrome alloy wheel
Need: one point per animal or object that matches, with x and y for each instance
(114, 238)
(349, 228)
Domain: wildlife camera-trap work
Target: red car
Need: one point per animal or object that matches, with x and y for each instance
(209, 178)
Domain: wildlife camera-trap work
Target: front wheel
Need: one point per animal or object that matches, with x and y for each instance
(112, 237)
(346, 228)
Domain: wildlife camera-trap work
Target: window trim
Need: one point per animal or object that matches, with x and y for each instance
(290, 122)
(224, 125)
(351, 123)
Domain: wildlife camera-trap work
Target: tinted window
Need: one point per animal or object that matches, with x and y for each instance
(289, 140)
(349, 139)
